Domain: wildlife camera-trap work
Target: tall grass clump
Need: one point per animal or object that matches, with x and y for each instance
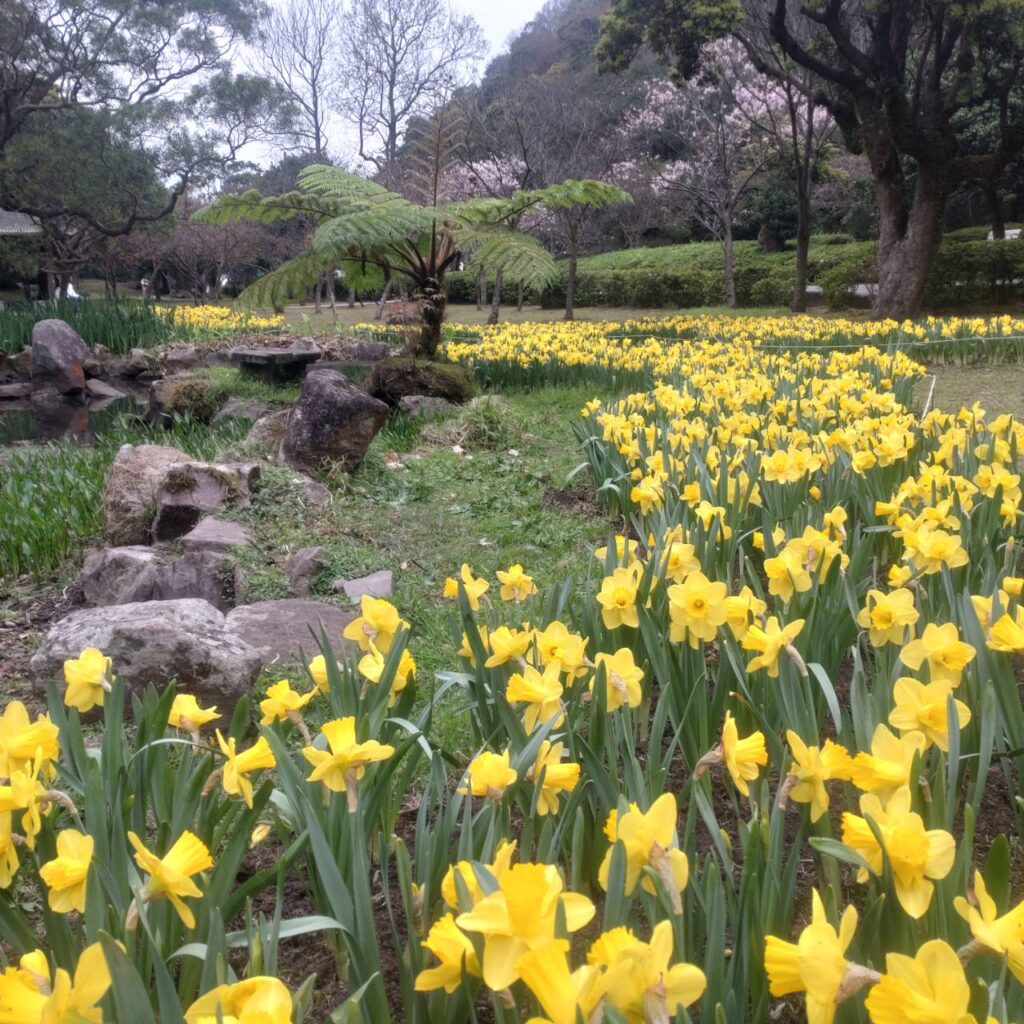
(119, 324)
(51, 497)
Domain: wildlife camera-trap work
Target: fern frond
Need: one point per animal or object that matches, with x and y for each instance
(293, 278)
(520, 258)
(374, 225)
(250, 205)
(570, 193)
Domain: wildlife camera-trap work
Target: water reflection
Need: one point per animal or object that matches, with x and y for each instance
(53, 419)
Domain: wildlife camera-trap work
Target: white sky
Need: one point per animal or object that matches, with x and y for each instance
(500, 18)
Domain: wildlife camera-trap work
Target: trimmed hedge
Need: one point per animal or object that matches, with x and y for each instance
(684, 276)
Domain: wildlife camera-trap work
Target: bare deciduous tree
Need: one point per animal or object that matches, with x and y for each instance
(402, 57)
(299, 48)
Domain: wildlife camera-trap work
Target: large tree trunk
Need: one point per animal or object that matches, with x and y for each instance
(481, 290)
(520, 297)
(730, 262)
(995, 209)
(803, 245)
(908, 241)
(570, 286)
(492, 317)
(433, 304)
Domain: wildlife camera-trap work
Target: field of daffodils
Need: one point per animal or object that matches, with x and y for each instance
(762, 765)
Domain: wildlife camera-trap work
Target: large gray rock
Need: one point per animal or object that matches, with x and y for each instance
(128, 575)
(212, 534)
(123, 575)
(201, 573)
(303, 565)
(133, 483)
(153, 642)
(13, 391)
(58, 357)
(139, 362)
(192, 490)
(377, 584)
(425, 407)
(333, 422)
(178, 358)
(287, 632)
(267, 433)
(100, 389)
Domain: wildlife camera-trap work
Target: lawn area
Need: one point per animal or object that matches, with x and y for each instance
(999, 389)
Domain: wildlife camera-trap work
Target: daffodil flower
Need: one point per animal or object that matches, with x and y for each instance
(170, 876)
(521, 915)
(65, 876)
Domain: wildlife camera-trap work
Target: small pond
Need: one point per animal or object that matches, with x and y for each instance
(26, 422)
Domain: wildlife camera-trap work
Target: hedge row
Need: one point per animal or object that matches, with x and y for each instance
(966, 273)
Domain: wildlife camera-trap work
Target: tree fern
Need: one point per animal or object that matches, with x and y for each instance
(362, 224)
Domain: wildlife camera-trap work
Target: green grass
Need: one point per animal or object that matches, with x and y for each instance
(489, 507)
(120, 325)
(51, 496)
(999, 389)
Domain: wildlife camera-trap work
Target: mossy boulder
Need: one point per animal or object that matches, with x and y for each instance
(183, 394)
(394, 379)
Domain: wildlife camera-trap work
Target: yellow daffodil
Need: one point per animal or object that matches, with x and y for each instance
(697, 609)
(8, 851)
(170, 876)
(317, 669)
(887, 766)
(187, 715)
(489, 775)
(769, 641)
(256, 1000)
(455, 955)
(542, 694)
(743, 758)
(929, 988)
(239, 764)
(812, 768)
(29, 994)
(88, 680)
(925, 708)
(649, 839)
(816, 963)
(887, 617)
(515, 584)
(678, 560)
(521, 915)
(553, 775)
(22, 740)
(556, 643)
(617, 598)
(507, 645)
(1003, 936)
(564, 995)
(282, 702)
(377, 623)
(916, 854)
(343, 764)
(464, 869)
(623, 678)
(65, 876)
(643, 987)
(475, 588)
(942, 649)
